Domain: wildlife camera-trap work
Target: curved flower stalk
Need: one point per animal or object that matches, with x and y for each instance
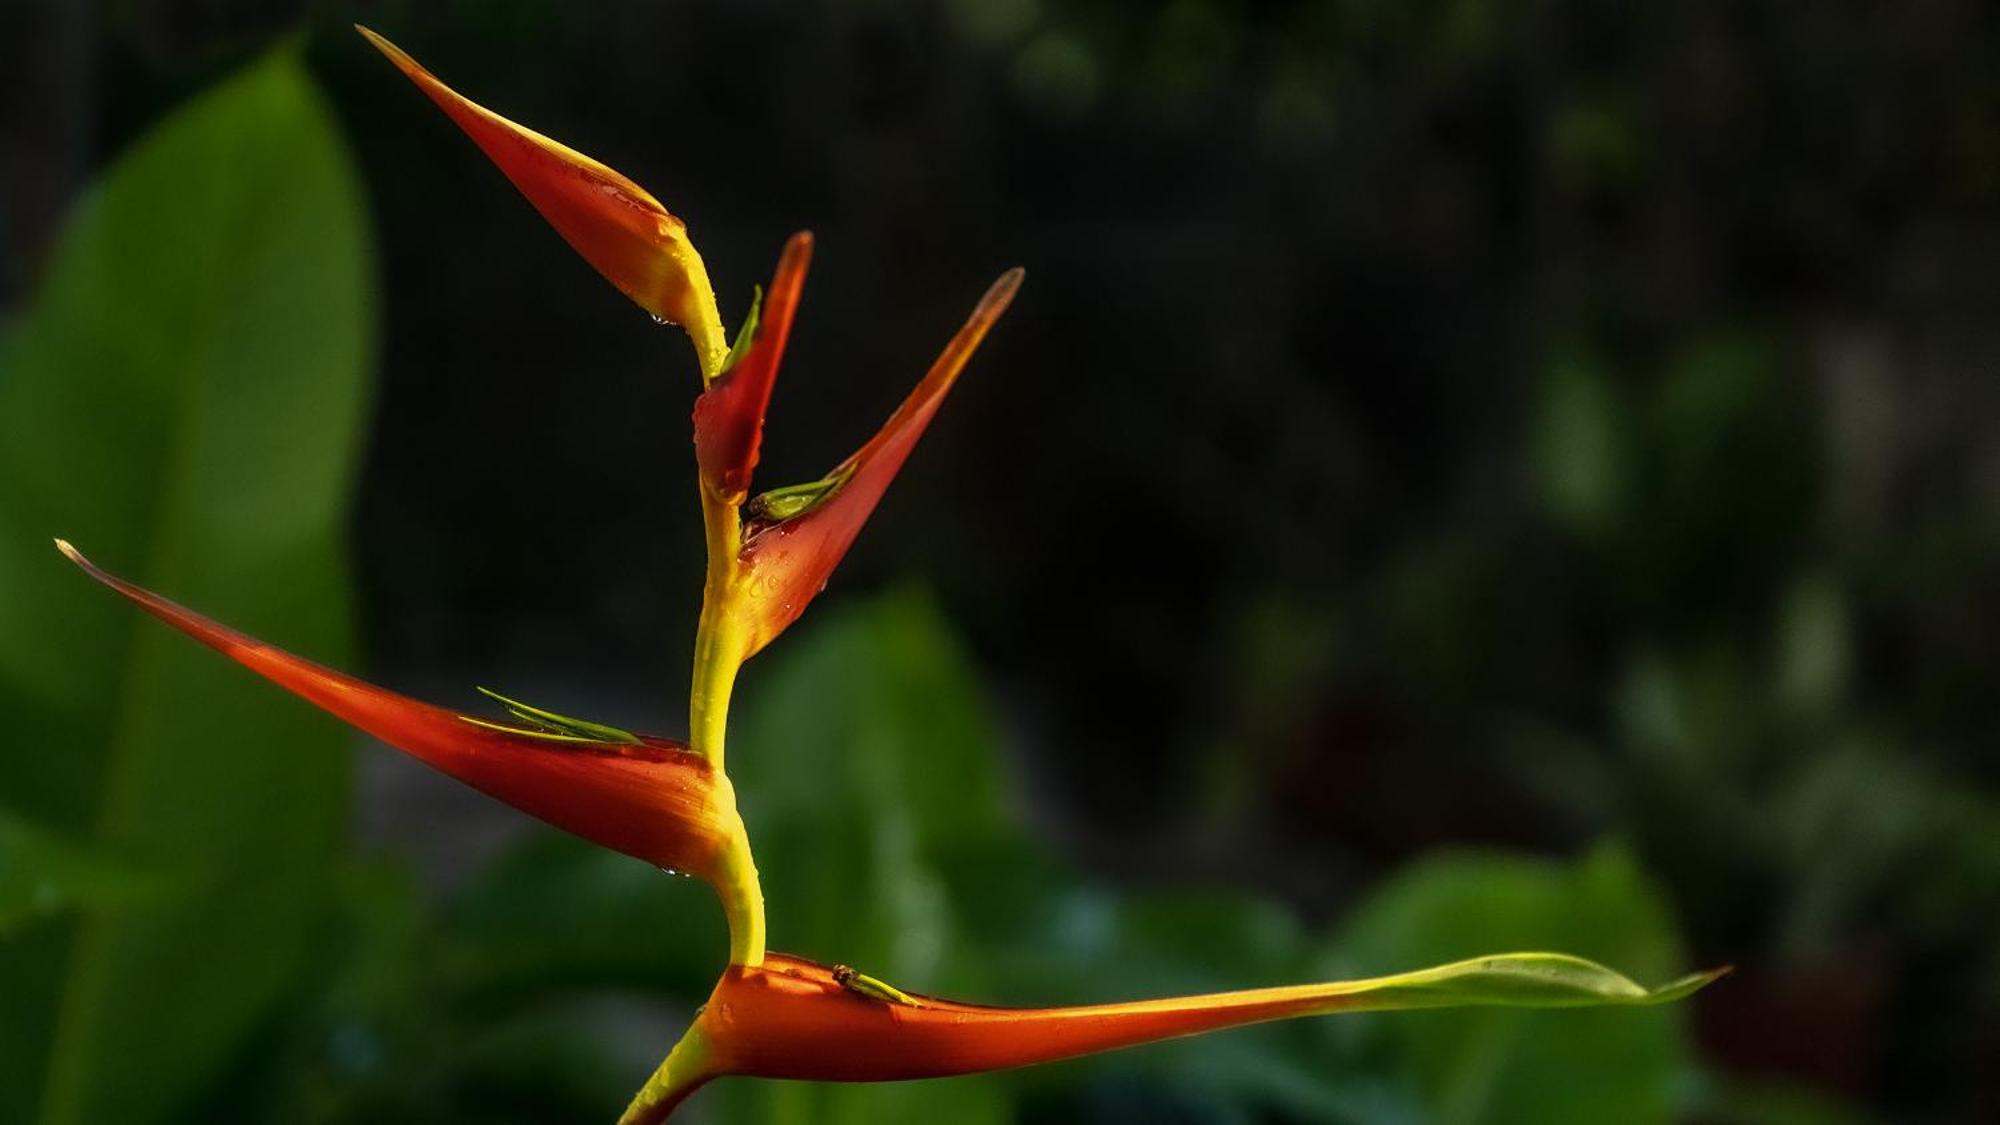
(775, 1015)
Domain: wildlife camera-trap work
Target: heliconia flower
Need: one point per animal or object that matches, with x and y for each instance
(794, 537)
(670, 804)
(793, 1018)
(650, 798)
(614, 223)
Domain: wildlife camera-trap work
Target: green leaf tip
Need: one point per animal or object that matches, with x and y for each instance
(547, 724)
(1688, 985)
(746, 335)
(1524, 980)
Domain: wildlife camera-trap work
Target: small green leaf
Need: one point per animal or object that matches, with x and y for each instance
(549, 725)
(781, 504)
(542, 733)
(746, 335)
(861, 984)
(1519, 980)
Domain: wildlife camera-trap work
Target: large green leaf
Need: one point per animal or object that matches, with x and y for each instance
(555, 913)
(184, 399)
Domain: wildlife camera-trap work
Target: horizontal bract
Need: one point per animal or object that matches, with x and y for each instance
(797, 1019)
(651, 798)
(793, 1018)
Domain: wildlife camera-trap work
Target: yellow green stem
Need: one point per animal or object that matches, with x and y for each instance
(719, 640)
(742, 893)
(685, 1070)
(720, 644)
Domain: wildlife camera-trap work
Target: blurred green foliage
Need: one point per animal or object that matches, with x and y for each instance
(1741, 748)
(185, 399)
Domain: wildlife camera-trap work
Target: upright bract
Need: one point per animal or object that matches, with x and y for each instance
(774, 1015)
(729, 414)
(797, 536)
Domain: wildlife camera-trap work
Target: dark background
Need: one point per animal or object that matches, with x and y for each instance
(1425, 424)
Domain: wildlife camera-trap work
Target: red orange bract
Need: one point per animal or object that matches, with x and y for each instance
(787, 561)
(649, 798)
(618, 227)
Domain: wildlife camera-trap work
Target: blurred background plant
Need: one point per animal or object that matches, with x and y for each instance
(1531, 466)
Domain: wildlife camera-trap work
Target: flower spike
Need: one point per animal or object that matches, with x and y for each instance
(798, 535)
(792, 1018)
(729, 415)
(646, 797)
(616, 225)
(671, 804)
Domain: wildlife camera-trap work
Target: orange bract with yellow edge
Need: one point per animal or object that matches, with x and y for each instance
(650, 798)
(614, 223)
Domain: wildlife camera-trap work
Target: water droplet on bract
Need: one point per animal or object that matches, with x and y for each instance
(658, 319)
(672, 871)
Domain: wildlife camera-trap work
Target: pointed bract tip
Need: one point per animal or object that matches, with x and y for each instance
(70, 552)
(620, 229)
(999, 295)
(795, 256)
(381, 44)
(396, 55)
